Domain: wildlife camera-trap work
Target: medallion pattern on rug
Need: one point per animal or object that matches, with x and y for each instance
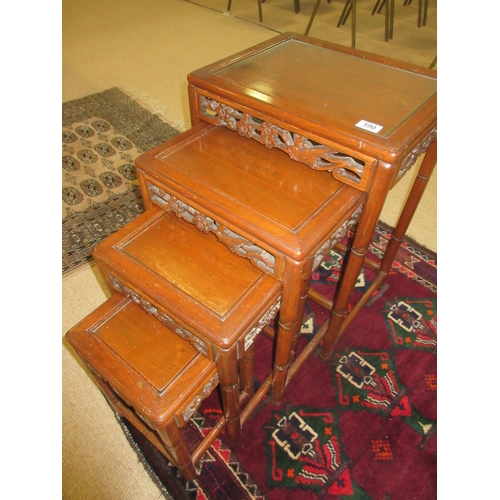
(304, 451)
(102, 136)
(97, 165)
(412, 323)
(368, 381)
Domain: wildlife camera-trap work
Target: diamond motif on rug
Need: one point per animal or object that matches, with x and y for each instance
(412, 323)
(303, 449)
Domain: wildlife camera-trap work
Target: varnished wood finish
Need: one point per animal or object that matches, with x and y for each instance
(259, 194)
(303, 95)
(264, 199)
(240, 210)
(197, 287)
(145, 371)
(324, 89)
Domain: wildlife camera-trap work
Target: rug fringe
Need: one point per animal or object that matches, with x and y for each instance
(154, 107)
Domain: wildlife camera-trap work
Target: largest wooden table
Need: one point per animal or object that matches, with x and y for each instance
(364, 118)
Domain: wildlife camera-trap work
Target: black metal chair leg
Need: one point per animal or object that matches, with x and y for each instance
(345, 13)
(311, 19)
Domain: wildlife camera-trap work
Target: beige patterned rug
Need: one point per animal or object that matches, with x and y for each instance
(102, 136)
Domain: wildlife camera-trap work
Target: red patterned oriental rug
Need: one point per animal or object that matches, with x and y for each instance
(361, 425)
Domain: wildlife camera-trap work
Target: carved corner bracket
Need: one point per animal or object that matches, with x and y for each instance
(337, 236)
(412, 157)
(195, 403)
(265, 320)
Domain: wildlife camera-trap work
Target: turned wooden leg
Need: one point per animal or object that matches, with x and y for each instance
(293, 301)
(362, 238)
(171, 438)
(168, 439)
(417, 190)
(194, 102)
(247, 370)
(303, 295)
(227, 366)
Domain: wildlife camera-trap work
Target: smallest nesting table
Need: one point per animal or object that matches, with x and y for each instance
(150, 376)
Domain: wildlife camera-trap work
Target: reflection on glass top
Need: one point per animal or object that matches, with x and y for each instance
(321, 83)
